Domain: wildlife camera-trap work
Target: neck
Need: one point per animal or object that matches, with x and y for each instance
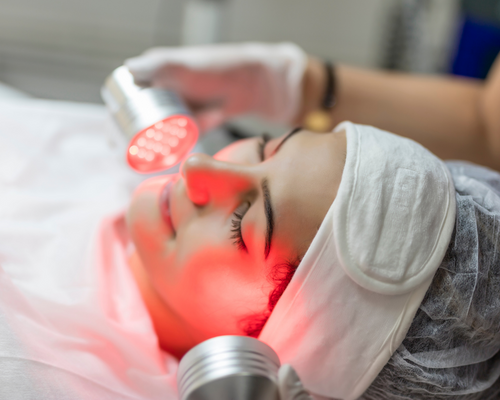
(173, 335)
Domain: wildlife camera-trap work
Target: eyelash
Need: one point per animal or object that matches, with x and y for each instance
(236, 229)
(238, 215)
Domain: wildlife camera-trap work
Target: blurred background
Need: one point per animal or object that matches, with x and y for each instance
(64, 49)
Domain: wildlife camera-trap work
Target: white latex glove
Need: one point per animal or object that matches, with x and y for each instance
(224, 80)
(290, 386)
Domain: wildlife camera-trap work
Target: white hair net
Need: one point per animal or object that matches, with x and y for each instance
(452, 347)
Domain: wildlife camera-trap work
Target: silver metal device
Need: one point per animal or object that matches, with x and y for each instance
(229, 368)
(159, 127)
(135, 107)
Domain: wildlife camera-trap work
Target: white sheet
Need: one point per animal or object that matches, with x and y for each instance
(72, 323)
(9, 92)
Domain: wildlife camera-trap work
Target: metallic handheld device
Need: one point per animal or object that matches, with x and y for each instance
(159, 127)
(229, 368)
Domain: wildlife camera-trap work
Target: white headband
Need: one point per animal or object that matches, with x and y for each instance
(356, 291)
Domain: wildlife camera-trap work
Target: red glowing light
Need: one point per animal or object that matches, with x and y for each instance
(162, 145)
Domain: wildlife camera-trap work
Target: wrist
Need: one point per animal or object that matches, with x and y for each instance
(319, 89)
(313, 88)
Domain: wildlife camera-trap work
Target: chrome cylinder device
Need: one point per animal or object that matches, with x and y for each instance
(158, 125)
(229, 368)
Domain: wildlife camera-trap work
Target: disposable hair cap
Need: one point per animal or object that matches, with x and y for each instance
(356, 291)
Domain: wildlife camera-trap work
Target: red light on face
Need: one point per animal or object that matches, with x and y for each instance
(162, 145)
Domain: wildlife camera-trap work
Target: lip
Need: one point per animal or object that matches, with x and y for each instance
(165, 203)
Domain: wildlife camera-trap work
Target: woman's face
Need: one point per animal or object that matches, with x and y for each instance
(210, 238)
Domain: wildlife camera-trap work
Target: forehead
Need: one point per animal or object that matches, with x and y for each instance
(305, 177)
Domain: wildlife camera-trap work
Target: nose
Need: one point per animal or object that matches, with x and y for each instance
(209, 180)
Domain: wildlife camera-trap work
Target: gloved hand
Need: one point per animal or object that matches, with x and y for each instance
(224, 80)
(290, 386)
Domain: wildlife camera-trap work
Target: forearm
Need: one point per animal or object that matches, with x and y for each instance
(444, 114)
(490, 107)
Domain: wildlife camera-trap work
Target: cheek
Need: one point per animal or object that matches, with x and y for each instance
(216, 288)
(145, 224)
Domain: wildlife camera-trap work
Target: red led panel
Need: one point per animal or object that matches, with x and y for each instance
(162, 145)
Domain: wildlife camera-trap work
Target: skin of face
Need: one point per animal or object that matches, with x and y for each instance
(194, 278)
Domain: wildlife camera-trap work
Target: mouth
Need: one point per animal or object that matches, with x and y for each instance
(165, 205)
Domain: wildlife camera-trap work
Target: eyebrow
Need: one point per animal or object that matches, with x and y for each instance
(268, 210)
(293, 132)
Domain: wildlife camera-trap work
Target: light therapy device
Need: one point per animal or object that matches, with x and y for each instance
(229, 368)
(159, 127)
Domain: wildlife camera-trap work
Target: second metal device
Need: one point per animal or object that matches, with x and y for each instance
(229, 368)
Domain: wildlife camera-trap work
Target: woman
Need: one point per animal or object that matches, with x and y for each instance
(376, 281)
(201, 281)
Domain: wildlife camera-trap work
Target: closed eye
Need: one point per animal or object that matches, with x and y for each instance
(236, 226)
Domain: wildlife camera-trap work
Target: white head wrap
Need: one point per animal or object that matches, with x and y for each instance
(356, 291)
